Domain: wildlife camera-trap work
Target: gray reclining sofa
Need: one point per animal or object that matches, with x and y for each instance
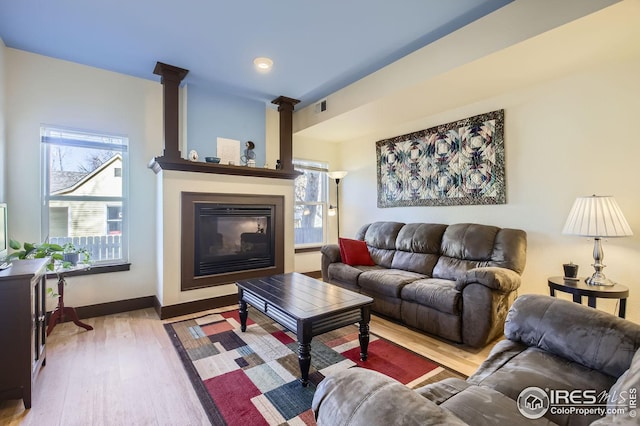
(588, 359)
(454, 281)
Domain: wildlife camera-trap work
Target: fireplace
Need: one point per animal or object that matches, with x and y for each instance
(226, 237)
(232, 237)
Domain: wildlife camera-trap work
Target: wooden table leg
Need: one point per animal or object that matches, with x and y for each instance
(304, 359)
(304, 351)
(592, 301)
(73, 316)
(53, 320)
(243, 313)
(577, 298)
(61, 312)
(623, 308)
(363, 337)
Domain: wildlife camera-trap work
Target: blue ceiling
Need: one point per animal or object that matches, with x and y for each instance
(317, 47)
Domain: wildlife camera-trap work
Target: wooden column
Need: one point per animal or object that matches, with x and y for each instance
(170, 78)
(285, 108)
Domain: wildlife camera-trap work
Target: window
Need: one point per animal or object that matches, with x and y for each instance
(114, 220)
(311, 190)
(84, 192)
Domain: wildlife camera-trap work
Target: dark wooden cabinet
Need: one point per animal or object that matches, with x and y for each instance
(22, 327)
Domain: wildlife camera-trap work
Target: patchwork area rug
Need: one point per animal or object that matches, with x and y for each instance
(252, 378)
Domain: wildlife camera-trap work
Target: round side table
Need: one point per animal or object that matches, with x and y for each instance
(579, 288)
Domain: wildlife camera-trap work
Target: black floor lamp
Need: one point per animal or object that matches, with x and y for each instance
(337, 175)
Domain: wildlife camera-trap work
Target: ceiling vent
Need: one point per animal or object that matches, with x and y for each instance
(321, 106)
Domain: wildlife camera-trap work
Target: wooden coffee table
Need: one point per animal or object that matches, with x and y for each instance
(307, 307)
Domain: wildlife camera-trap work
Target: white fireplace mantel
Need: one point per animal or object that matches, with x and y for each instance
(169, 186)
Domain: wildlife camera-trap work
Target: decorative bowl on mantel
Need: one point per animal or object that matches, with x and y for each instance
(212, 159)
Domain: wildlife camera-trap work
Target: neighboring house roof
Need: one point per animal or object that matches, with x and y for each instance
(61, 180)
(67, 182)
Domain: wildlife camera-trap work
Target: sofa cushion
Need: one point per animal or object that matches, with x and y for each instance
(381, 239)
(469, 241)
(387, 282)
(383, 235)
(420, 238)
(354, 252)
(622, 392)
(360, 397)
(346, 273)
(536, 367)
(421, 263)
(435, 293)
(476, 405)
(468, 245)
(418, 247)
(452, 268)
(481, 406)
(595, 338)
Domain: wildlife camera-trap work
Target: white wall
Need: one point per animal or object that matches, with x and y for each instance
(43, 90)
(369, 102)
(568, 137)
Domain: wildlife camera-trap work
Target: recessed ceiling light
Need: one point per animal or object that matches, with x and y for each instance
(263, 64)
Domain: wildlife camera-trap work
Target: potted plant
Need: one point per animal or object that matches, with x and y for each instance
(56, 252)
(73, 254)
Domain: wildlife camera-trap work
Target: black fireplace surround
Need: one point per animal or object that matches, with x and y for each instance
(226, 237)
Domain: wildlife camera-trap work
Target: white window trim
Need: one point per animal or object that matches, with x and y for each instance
(48, 141)
(319, 166)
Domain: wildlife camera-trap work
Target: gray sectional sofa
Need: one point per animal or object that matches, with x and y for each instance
(553, 347)
(454, 281)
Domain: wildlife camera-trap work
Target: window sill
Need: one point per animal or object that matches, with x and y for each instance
(99, 269)
(308, 249)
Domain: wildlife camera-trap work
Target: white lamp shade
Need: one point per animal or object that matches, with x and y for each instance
(337, 174)
(596, 216)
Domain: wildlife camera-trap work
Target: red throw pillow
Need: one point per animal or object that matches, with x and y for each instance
(354, 252)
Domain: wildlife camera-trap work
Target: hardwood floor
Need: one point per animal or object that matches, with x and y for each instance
(126, 372)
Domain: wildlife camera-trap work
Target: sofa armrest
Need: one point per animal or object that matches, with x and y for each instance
(581, 334)
(332, 251)
(500, 279)
(360, 397)
(330, 254)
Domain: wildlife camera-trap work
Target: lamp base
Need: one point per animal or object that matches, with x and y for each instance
(599, 279)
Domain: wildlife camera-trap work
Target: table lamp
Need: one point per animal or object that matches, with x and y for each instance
(597, 217)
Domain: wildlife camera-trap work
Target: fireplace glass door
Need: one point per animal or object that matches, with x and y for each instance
(230, 238)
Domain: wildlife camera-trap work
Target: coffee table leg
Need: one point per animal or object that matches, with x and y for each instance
(242, 311)
(304, 359)
(364, 333)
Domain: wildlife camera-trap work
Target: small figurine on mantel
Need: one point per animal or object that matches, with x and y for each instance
(249, 157)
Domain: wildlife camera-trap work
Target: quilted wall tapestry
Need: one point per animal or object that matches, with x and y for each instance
(458, 163)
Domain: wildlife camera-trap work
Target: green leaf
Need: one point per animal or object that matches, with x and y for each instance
(29, 247)
(18, 255)
(15, 245)
(55, 247)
